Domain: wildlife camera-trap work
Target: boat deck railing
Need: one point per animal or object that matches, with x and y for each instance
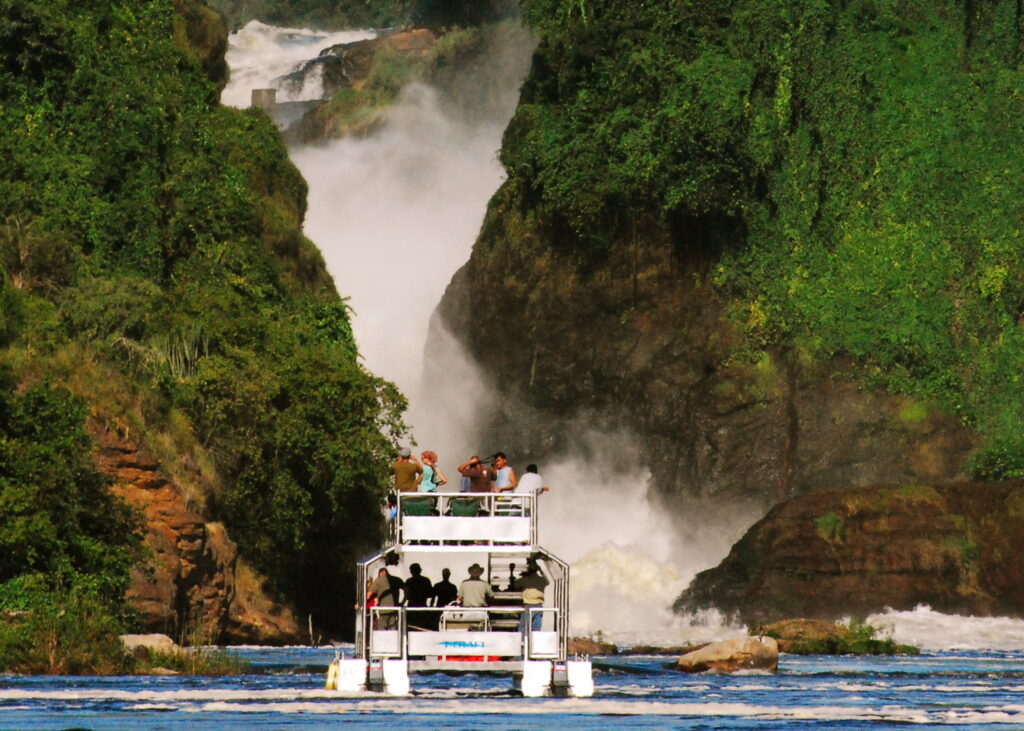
(465, 521)
(465, 634)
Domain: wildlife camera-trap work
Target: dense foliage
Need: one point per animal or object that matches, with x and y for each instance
(66, 544)
(152, 262)
(363, 13)
(852, 167)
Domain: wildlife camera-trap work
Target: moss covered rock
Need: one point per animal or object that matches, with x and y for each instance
(819, 637)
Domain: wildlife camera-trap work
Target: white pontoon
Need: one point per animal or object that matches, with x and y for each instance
(453, 529)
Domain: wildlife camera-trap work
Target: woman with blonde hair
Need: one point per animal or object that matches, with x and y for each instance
(433, 477)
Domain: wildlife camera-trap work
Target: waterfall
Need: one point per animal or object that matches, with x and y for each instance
(395, 215)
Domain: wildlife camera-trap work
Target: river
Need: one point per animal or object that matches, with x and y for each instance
(965, 689)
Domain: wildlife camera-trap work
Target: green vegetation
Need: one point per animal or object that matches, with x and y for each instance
(66, 544)
(363, 14)
(208, 661)
(847, 171)
(153, 277)
(830, 528)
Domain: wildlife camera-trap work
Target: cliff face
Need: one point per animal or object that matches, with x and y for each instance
(841, 552)
(189, 585)
(725, 230)
(202, 31)
(639, 339)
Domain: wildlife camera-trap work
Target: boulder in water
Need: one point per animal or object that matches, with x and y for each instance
(728, 656)
(159, 642)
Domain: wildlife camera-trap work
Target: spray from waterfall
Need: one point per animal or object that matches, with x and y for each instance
(395, 215)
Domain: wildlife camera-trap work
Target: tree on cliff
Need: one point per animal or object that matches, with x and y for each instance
(154, 265)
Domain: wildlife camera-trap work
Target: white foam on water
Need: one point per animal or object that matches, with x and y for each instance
(933, 631)
(605, 707)
(630, 557)
(259, 55)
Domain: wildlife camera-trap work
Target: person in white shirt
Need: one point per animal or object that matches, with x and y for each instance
(530, 483)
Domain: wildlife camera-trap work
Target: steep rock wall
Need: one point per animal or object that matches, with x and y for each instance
(725, 230)
(638, 340)
(190, 581)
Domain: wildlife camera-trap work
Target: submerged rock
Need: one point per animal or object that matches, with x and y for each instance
(853, 552)
(728, 656)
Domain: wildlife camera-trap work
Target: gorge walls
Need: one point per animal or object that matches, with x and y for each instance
(724, 231)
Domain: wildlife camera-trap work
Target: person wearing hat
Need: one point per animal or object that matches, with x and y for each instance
(532, 583)
(474, 591)
(406, 470)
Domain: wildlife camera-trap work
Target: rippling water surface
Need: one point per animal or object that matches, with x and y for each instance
(956, 689)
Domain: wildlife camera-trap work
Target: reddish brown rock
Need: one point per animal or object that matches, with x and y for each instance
(854, 552)
(188, 586)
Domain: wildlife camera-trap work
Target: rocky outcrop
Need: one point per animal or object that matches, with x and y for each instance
(348, 66)
(590, 646)
(729, 656)
(638, 338)
(189, 584)
(853, 552)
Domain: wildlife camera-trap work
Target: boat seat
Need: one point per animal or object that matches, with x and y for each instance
(505, 623)
(465, 507)
(417, 506)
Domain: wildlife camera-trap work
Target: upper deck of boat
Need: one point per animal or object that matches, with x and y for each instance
(458, 522)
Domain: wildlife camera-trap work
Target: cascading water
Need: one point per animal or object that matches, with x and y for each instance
(395, 215)
(259, 56)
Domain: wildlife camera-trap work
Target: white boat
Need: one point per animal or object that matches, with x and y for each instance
(499, 531)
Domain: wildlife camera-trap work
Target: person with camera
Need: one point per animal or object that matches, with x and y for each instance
(478, 473)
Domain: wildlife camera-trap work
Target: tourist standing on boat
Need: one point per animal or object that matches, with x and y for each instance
(478, 473)
(531, 483)
(418, 592)
(433, 477)
(445, 592)
(504, 476)
(386, 589)
(532, 583)
(406, 470)
(474, 591)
